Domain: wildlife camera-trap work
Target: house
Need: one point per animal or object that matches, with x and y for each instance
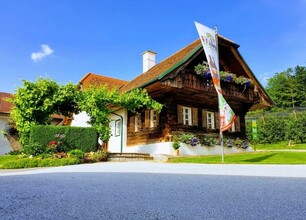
(189, 99)
(5, 108)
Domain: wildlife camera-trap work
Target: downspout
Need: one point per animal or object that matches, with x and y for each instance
(121, 131)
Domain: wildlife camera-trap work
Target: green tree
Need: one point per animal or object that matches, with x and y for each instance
(35, 102)
(288, 88)
(300, 77)
(282, 89)
(100, 102)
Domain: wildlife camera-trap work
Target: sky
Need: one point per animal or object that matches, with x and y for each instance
(65, 39)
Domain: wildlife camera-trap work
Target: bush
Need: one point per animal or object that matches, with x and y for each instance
(70, 138)
(76, 154)
(98, 156)
(273, 129)
(296, 128)
(34, 149)
(38, 162)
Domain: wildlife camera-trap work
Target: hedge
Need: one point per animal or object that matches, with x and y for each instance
(82, 138)
(37, 162)
(274, 129)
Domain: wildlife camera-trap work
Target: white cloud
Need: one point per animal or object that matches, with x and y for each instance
(263, 78)
(45, 51)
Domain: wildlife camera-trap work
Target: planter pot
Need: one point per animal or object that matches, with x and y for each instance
(177, 152)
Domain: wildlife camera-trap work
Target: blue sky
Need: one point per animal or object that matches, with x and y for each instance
(65, 39)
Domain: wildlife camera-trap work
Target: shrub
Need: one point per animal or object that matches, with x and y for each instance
(65, 138)
(296, 128)
(98, 156)
(76, 154)
(38, 162)
(273, 129)
(34, 149)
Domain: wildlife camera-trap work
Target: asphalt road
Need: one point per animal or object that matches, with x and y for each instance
(100, 195)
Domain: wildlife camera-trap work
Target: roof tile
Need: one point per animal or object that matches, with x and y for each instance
(5, 106)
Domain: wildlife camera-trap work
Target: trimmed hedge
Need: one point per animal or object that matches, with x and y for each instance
(38, 162)
(273, 129)
(82, 138)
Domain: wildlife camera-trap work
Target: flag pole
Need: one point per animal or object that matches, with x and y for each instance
(220, 126)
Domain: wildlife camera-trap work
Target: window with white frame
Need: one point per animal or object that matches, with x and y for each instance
(187, 120)
(232, 128)
(153, 118)
(210, 120)
(137, 122)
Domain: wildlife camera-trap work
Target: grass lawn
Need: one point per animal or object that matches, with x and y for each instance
(280, 146)
(247, 158)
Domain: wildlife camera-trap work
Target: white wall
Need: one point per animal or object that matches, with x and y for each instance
(80, 120)
(166, 148)
(4, 144)
(114, 144)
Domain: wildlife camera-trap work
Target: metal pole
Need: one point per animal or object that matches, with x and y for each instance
(218, 65)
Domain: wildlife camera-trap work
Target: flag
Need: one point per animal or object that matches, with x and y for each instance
(210, 45)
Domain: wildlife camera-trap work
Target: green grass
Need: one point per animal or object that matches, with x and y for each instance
(248, 158)
(17, 162)
(280, 146)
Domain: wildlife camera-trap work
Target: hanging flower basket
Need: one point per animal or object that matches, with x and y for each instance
(203, 70)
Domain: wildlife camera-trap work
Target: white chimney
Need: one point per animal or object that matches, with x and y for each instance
(148, 60)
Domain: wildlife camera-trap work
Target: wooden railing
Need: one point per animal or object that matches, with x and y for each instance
(194, 82)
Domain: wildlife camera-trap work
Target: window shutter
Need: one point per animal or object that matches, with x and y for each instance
(157, 119)
(237, 123)
(204, 118)
(147, 119)
(132, 124)
(179, 114)
(217, 120)
(195, 117)
(140, 122)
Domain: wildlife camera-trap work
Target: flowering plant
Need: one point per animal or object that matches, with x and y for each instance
(203, 70)
(56, 146)
(207, 141)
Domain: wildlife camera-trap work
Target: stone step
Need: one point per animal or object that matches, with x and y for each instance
(129, 157)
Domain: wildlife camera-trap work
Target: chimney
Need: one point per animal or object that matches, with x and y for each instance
(148, 60)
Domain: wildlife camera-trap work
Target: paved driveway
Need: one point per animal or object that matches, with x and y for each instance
(143, 190)
(153, 167)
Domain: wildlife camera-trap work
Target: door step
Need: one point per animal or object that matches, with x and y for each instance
(129, 157)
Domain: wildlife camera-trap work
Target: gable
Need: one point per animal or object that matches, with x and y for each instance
(193, 54)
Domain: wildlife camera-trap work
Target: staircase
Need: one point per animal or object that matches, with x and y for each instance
(122, 157)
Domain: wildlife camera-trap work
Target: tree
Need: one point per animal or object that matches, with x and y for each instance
(300, 76)
(35, 102)
(282, 89)
(288, 88)
(100, 102)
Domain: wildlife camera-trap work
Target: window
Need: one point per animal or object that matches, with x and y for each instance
(153, 118)
(187, 120)
(232, 128)
(187, 115)
(117, 127)
(137, 122)
(210, 120)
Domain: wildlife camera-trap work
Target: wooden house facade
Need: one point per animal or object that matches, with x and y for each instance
(190, 100)
(190, 103)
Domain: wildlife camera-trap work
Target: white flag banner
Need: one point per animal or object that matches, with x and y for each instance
(210, 45)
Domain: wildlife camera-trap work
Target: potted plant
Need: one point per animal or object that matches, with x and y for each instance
(176, 145)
